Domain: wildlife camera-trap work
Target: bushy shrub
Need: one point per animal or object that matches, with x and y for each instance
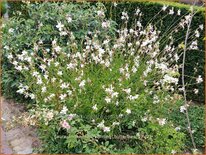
(151, 12)
(98, 88)
(194, 67)
(37, 27)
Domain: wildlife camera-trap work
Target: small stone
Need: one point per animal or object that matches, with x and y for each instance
(22, 141)
(18, 148)
(5, 146)
(26, 151)
(13, 134)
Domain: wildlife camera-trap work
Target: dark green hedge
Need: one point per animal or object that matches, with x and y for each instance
(150, 9)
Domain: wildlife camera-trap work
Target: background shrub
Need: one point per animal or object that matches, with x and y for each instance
(29, 32)
(197, 115)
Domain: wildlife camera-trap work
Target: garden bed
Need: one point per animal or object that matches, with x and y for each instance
(107, 77)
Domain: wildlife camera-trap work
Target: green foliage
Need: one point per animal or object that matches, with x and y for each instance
(196, 115)
(29, 32)
(194, 59)
(78, 105)
(85, 138)
(3, 6)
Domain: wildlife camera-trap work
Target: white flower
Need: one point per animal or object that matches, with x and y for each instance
(59, 73)
(42, 66)
(32, 96)
(199, 79)
(115, 123)
(11, 30)
(133, 97)
(56, 64)
(20, 91)
(164, 7)
(54, 42)
(106, 42)
(36, 47)
(53, 79)
(51, 96)
(197, 34)
(105, 24)
(144, 119)
(188, 17)
(43, 90)
(28, 59)
(106, 129)
(107, 99)
(69, 92)
(121, 70)
(71, 116)
(128, 91)
(128, 111)
(121, 115)
(57, 49)
(114, 94)
(109, 89)
(64, 110)
(94, 107)
(62, 96)
(178, 12)
(183, 109)
(100, 13)
(134, 69)
(171, 12)
(115, 4)
(69, 19)
(137, 11)
(161, 121)
(39, 81)
(15, 63)
(124, 16)
(101, 124)
(169, 79)
(45, 99)
(176, 57)
(19, 68)
(82, 84)
(196, 91)
(59, 26)
(173, 152)
(177, 128)
(201, 26)
(63, 33)
(6, 47)
(107, 63)
(64, 85)
(10, 56)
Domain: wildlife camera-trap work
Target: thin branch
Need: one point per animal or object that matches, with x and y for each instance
(183, 81)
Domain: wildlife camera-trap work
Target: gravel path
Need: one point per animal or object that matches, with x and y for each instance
(16, 138)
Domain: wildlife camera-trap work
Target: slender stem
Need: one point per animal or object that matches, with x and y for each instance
(183, 81)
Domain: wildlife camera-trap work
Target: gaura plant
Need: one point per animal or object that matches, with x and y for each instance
(105, 90)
